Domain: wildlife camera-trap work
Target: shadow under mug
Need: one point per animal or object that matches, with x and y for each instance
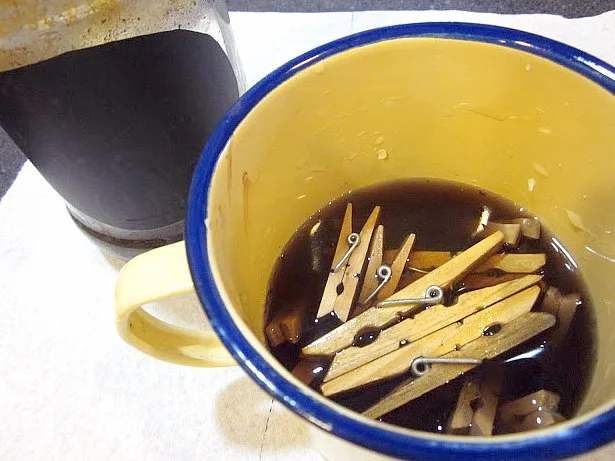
(478, 104)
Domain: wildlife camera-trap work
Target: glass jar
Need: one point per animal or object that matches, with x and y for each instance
(113, 101)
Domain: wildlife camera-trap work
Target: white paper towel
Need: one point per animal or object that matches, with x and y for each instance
(70, 389)
(266, 41)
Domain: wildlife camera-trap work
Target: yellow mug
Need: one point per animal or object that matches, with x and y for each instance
(488, 106)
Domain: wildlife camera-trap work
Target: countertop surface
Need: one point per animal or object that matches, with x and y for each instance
(566, 8)
(70, 389)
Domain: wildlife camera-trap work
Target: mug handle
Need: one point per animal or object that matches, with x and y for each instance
(153, 276)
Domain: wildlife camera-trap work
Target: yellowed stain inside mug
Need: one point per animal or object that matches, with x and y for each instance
(514, 123)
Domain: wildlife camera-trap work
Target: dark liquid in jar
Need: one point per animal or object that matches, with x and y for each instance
(444, 216)
(117, 129)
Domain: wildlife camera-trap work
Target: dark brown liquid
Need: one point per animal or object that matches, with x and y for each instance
(444, 216)
(117, 129)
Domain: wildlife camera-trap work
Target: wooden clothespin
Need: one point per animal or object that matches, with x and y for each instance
(439, 343)
(514, 263)
(286, 326)
(477, 405)
(518, 263)
(374, 288)
(530, 227)
(478, 281)
(523, 263)
(397, 268)
(514, 412)
(306, 371)
(423, 261)
(376, 250)
(503, 264)
(512, 232)
(511, 334)
(425, 323)
(534, 411)
(484, 415)
(563, 307)
(445, 275)
(460, 421)
(537, 420)
(343, 281)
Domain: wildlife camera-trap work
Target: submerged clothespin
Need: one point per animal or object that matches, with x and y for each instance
(510, 335)
(371, 281)
(424, 323)
(460, 421)
(442, 277)
(537, 420)
(478, 281)
(307, 371)
(286, 326)
(517, 263)
(515, 411)
(563, 307)
(530, 227)
(483, 420)
(512, 232)
(397, 268)
(381, 281)
(477, 404)
(437, 344)
(534, 411)
(347, 266)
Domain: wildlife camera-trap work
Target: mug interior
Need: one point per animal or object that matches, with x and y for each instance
(466, 110)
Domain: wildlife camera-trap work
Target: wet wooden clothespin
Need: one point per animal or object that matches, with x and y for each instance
(347, 266)
(530, 227)
(437, 344)
(286, 326)
(537, 420)
(460, 421)
(374, 288)
(380, 317)
(483, 420)
(520, 263)
(510, 335)
(512, 232)
(534, 411)
(397, 268)
(424, 323)
(496, 269)
(477, 405)
(376, 251)
(306, 371)
(514, 412)
(563, 307)
(479, 281)
(517, 263)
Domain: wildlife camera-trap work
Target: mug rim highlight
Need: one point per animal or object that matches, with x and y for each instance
(569, 441)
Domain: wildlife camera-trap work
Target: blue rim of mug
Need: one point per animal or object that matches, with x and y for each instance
(377, 437)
